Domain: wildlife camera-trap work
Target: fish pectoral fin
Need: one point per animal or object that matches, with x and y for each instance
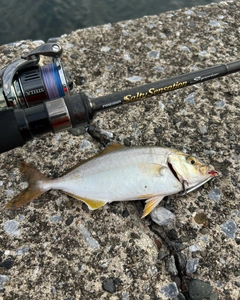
(91, 203)
(151, 169)
(151, 203)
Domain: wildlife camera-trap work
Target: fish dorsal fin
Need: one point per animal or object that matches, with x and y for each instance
(110, 148)
(151, 203)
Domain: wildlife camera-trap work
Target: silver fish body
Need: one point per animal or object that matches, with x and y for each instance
(122, 174)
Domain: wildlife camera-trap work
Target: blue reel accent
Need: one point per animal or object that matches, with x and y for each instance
(52, 81)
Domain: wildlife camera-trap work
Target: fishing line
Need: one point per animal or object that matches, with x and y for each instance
(52, 81)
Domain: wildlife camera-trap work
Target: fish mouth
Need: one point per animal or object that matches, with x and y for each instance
(184, 183)
(213, 173)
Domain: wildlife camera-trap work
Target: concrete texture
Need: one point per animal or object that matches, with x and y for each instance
(55, 248)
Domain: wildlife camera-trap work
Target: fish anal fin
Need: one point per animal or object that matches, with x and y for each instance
(35, 188)
(91, 203)
(151, 203)
(110, 148)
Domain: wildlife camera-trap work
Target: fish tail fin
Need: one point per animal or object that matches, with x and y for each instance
(35, 187)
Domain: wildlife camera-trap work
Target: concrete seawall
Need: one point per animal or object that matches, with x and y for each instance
(55, 248)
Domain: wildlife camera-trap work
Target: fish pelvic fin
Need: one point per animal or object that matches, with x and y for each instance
(91, 203)
(35, 186)
(151, 203)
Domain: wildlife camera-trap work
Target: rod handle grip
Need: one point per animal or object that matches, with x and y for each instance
(10, 136)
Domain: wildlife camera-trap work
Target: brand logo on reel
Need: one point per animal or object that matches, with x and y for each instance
(34, 92)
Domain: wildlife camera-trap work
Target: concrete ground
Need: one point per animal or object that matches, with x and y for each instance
(55, 248)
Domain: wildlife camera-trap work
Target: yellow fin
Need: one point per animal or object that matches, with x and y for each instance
(92, 204)
(111, 147)
(34, 189)
(151, 203)
(146, 196)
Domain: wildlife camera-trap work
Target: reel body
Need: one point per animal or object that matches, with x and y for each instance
(24, 83)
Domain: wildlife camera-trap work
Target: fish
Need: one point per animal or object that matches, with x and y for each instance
(121, 173)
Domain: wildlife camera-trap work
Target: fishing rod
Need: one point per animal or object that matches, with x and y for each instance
(35, 100)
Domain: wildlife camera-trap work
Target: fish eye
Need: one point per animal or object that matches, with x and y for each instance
(191, 160)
